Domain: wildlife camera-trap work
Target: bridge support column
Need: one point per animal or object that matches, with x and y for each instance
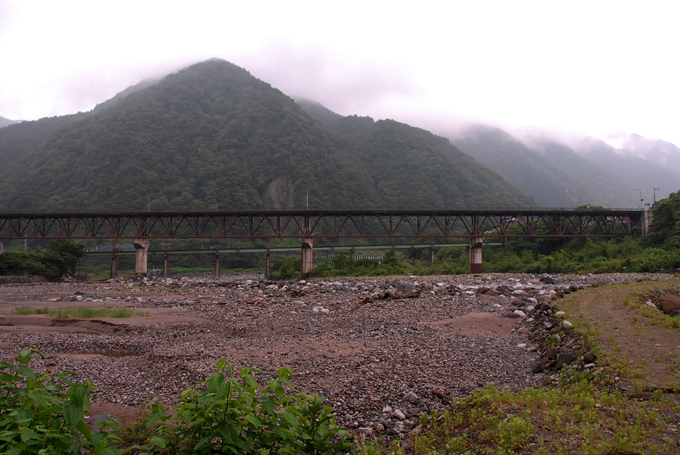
(166, 266)
(307, 258)
(476, 254)
(268, 266)
(646, 222)
(431, 257)
(142, 247)
(2, 248)
(218, 271)
(114, 266)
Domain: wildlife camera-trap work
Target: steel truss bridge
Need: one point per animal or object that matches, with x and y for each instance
(314, 224)
(307, 225)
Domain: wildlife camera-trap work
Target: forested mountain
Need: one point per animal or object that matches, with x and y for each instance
(5, 122)
(561, 175)
(413, 166)
(640, 175)
(657, 151)
(24, 137)
(213, 136)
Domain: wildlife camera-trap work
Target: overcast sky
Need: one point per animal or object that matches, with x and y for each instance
(590, 67)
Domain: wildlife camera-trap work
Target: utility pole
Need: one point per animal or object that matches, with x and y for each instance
(641, 200)
(655, 190)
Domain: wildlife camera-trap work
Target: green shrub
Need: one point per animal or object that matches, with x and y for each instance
(235, 414)
(41, 414)
(284, 268)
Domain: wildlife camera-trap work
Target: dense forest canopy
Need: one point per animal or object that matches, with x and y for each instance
(213, 136)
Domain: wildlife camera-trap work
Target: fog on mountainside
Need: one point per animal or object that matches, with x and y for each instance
(657, 151)
(557, 174)
(213, 136)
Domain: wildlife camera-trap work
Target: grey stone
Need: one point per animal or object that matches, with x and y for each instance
(411, 398)
(566, 358)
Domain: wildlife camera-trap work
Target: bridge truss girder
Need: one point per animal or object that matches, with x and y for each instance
(310, 224)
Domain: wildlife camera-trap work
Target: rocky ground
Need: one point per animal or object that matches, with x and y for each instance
(382, 350)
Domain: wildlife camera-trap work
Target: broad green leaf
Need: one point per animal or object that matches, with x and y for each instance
(290, 418)
(268, 404)
(159, 442)
(27, 434)
(72, 413)
(77, 393)
(84, 429)
(107, 449)
(257, 423)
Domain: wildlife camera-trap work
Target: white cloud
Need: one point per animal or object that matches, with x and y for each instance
(586, 66)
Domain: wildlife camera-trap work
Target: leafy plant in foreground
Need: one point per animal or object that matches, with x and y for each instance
(235, 414)
(40, 414)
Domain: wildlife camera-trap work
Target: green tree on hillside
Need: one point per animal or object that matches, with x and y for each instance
(665, 228)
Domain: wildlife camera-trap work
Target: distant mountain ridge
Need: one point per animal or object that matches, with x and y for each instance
(213, 136)
(657, 151)
(6, 122)
(557, 174)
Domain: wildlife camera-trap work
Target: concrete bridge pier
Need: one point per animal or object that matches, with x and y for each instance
(166, 266)
(2, 248)
(431, 257)
(114, 266)
(218, 271)
(475, 250)
(307, 257)
(268, 266)
(141, 245)
(646, 222)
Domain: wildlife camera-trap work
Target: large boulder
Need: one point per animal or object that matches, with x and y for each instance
(669, 303)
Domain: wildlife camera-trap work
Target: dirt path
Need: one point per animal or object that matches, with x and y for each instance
(647, 352)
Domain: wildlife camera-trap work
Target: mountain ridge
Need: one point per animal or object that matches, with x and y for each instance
(213, 136)
(559, 172)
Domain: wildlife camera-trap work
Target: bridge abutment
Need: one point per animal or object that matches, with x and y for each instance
(141, 249)
(475, 251)
(307, 257)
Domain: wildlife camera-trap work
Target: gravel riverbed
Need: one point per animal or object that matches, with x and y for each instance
(383, 350)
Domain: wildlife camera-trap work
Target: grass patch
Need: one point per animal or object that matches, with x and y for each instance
(586, 412)
(576, 418)
(81, 312)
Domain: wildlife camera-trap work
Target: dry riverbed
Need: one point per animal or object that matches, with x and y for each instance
(382, 350)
